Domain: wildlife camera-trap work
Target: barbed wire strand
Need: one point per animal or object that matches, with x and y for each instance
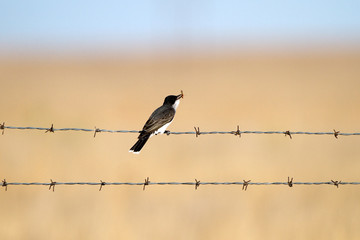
(197, 131)
(196, 183)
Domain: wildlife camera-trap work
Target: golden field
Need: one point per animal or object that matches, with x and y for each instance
(272, 91)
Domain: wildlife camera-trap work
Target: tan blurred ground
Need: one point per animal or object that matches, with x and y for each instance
(307, 91)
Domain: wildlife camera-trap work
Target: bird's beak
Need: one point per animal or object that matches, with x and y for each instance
(181, 95)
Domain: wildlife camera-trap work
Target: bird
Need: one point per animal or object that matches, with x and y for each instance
(158, 121)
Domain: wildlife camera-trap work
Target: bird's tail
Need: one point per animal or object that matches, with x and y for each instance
(139, 144)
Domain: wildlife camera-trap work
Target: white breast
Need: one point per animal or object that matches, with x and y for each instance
(176, 104)
(162, 129)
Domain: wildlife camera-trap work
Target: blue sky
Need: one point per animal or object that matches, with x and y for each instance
(126, 24)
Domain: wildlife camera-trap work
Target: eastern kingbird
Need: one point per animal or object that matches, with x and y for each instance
(159, 120)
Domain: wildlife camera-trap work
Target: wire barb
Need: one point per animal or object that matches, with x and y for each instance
(336, 183)
(336, 133)
(287, 133)
(2, 127)
(96, 131)
(147, 182)
(52, 185)
(197, 131)
(51, 129)
(290, 182)
(101, 184)
(197, 183)
(245, 184)
(237, 132)
(4, 184)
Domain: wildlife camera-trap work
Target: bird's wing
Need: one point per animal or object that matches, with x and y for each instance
(158, 118)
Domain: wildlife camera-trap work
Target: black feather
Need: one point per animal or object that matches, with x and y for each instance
(140, 143)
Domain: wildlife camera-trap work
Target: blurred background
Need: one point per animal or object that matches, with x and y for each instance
(263, 65)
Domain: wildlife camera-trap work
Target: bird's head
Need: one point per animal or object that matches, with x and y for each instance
(173, 100)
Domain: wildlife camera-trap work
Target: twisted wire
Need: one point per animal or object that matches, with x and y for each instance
(175, 183)
(196, 132)
(196, 183)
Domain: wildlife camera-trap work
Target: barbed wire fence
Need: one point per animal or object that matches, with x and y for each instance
(196, 183)
(197, 131)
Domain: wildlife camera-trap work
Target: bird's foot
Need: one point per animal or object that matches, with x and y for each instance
(167, 132)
